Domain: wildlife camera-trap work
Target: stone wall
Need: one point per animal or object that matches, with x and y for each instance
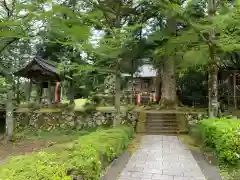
(69, 119)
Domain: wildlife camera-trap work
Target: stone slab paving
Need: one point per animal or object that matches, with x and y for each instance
(162, 158)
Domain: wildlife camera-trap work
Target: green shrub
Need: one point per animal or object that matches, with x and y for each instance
(40, 165)
(84, 159)
(221, 135)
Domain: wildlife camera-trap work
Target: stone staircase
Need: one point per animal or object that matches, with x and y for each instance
(161, 123)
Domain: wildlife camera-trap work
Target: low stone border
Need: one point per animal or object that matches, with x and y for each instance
(116, 167)
(211, 172)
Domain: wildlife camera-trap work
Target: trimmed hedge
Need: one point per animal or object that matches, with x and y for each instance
(222, 135)
(84, 159)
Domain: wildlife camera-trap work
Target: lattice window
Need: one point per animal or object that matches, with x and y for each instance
(238, 79)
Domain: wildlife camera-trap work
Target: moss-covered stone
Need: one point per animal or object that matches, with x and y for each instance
(141, 123)
(48, 121)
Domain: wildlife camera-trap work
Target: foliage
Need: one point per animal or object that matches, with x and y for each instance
(85, 159)
(191, 85)
(40, 165)
(222, 135)
(4, 88)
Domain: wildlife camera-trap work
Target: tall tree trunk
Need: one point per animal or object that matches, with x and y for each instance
(18, 90)
(9, 117)
(212, 66)
(117, 98)
(213, 85)
(169, 96)
(158, 85)
(132, 89)
(118, 76)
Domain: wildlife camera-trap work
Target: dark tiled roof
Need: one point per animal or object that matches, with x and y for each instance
(44, 70)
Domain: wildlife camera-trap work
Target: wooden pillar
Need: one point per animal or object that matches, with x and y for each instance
(49, 93)
(18, 91)
(234, 90)
(62, 91)
(9, 116)
(29, 90)
(40, 94)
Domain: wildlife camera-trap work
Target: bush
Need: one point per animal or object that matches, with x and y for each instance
(85, 159)
(222, 135)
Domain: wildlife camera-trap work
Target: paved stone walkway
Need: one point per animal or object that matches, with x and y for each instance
(162, 158)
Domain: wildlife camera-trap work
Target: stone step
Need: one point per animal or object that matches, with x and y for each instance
(162, 127)
(162, 120)
(163, 132)
(162, 123)
(160, 117)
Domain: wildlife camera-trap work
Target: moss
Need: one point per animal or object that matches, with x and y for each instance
(182, 123)
(141, 123)
(168, 104)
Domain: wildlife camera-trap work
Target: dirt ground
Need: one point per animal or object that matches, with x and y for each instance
(36, 142)
(23, 147)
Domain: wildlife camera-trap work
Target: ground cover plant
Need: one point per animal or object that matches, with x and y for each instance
(86, 158)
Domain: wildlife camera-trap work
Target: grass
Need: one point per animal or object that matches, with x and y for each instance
(58, 135)
(79, 104)
(110, 108)
(134, 145)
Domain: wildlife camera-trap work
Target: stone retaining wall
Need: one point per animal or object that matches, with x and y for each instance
(68, 119)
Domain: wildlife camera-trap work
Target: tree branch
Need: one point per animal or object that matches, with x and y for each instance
(8, 44)
(9, 11)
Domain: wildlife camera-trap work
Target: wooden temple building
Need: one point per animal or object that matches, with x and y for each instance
(46, 76)
(229, 86)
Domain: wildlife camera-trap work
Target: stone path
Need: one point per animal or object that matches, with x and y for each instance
(162, 158)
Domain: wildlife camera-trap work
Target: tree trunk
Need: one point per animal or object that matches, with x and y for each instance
(117, 98)
(169, 96)
(213, 85)
(18, 91)
(212, 66)
(71, 92)
(132, 83)
(9, 117)
(158, 86)
(132, 89)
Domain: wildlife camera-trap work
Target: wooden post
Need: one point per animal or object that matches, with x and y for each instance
(234, 90)
(49, 93)
(29, 90)
(40, 93)
(9, 116)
